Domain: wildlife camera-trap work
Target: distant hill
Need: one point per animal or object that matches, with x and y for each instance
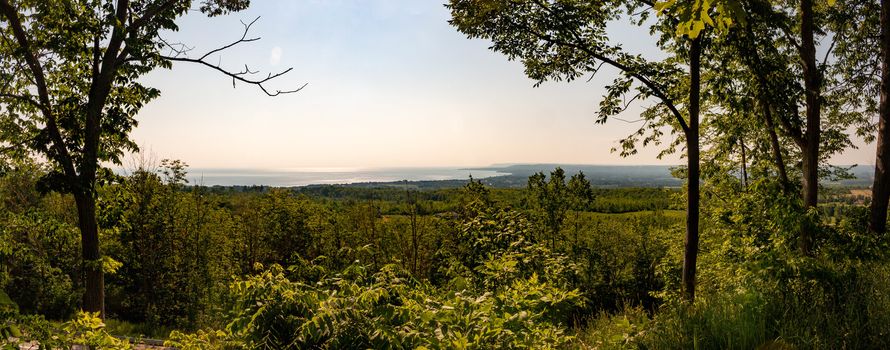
(599, 175)
(605, 176)
(864, 176)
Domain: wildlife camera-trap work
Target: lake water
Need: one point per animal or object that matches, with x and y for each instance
(302, 177)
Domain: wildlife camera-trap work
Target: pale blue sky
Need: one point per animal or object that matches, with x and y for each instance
(391, 84)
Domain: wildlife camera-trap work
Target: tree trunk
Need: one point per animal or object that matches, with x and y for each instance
(692, 189)
(880, 190)
(94, 296)
(744, 164)
(774, 144)
(812, 84)
(414, 243)
(810, 192)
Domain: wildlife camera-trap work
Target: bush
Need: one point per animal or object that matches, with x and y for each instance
(86, 329)
(505, 291)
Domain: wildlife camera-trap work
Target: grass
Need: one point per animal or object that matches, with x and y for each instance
(135, 330)
(678, 214)
(853, 313)
(721, 323)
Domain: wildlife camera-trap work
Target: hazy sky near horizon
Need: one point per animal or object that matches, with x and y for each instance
(390, 84)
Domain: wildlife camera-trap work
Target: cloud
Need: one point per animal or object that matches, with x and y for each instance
(275, 56)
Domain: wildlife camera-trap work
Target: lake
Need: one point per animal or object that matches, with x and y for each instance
(303, 177)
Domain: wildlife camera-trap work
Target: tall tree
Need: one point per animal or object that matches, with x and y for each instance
(860, 73)
(563, 40)
(880, 190)
(70, 90)
(812, 78)
(779, 70)
(811, 101)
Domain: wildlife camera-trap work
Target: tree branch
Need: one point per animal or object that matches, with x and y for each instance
(239, 41)
(100, 87)
(834, 41)
(595, 70)
(176, 55)
(656, 90)
(238, 76)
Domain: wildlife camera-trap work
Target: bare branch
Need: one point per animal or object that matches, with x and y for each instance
(634, 121)
(238, 76)
(176, 49)
(239, 41)
(179, 53)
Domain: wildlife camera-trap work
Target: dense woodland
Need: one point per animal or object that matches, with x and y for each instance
(754, 250)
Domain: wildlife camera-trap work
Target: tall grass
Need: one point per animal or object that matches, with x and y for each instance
(136, 330)
(848, 307)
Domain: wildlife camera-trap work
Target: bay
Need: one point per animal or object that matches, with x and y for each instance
(323, 176)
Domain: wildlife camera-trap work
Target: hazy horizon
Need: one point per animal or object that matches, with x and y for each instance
(295, 177)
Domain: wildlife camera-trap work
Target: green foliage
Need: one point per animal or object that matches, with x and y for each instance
(505, 291)
(200, 340)
(759, 292)
(38, 253)
(629, 200)
(486, 278)
(97, 56)
(89, 330)
(695, 15)
(622, 330)
(177, 245)
(550, 199)
(474, 268)
(71, 91)
(172, 246)
(387, 309)
(85, 329)
(838, 307)
(135, 330)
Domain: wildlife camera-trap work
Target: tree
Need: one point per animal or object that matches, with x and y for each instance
(563, 40)
(809, 143)
(880, 190)
(550, 200)
(580, 192)
(70, 90)
(413, 212)
(810, 101)
(861, 58)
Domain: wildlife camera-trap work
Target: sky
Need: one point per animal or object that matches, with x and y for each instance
(390, 84)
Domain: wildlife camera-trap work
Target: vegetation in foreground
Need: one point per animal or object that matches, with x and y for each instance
(549, 266)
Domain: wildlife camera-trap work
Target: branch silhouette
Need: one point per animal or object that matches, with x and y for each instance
(179, 53)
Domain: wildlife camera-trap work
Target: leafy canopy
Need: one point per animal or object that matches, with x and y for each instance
(69, 77)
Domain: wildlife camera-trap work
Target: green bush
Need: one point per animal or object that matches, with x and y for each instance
(504, 291)
(388, 309)
(85, 329)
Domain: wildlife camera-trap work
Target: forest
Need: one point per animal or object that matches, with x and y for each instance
(760, 246)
